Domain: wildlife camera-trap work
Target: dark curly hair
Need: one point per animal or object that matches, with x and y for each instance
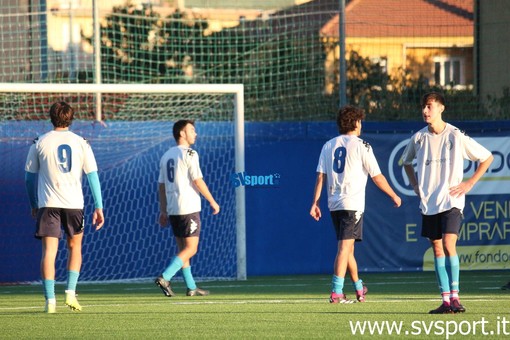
(347, 118)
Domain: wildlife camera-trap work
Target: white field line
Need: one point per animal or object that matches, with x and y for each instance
(150, 286)
(237, 302)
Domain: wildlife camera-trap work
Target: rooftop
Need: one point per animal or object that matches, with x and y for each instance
(397, 18)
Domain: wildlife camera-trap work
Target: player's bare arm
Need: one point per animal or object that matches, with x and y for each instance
(163, 216)
(381, 182)
(408, 168)
(464, 187)
(315, 210)
(204, 190)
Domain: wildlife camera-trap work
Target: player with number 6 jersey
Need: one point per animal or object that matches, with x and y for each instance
(179, 167)
(345, 163)
(180, 185)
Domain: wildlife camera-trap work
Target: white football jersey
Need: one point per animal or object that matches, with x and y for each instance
(440, 165)
(179, 167)
(347, 160)
(60, 158)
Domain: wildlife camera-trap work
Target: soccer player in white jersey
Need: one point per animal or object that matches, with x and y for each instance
(345, 163)
(57, 160)
(180, 185)
(440, 149)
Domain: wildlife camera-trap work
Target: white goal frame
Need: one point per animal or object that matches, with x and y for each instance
(236, 89)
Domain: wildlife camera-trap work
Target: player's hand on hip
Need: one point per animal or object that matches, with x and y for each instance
(98, 218)
(461, 189)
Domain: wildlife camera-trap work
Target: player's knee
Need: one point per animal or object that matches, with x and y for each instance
(191, 251)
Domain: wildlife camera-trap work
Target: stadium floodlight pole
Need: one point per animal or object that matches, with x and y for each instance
(342, 86)
(97, 59)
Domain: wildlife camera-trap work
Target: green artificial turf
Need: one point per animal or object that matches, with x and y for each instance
(285, 307)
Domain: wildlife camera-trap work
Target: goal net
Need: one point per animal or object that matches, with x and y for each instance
(129, 127)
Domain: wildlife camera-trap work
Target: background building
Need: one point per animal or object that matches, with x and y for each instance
(492, 68)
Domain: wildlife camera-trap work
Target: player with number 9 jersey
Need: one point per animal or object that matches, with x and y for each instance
(60, 158)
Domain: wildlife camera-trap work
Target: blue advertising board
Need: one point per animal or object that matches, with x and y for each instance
(279, 177)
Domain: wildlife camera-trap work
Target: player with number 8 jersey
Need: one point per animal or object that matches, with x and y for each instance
(345, 163)
(351, 159)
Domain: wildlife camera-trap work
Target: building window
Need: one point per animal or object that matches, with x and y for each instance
(449, 71)
(382, 62)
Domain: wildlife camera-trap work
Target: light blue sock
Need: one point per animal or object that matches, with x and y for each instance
(72, 279)
(442, 274)
(358, 285)
(337, 284)
(172, 268)
(49, 289)
(188, 278)
(454, 272)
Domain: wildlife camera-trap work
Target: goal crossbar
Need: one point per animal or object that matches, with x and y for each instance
(122, 88)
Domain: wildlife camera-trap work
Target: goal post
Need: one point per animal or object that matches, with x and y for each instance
(139, 119)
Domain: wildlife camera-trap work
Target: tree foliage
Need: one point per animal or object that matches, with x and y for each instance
(282, 70)
(139, 46)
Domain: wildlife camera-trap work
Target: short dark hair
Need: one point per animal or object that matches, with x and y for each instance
(179, 126)
(432, 96)
(347, 118)
(61, 114)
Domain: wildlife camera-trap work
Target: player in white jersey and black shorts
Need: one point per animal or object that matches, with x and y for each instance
(57, 160)
(180, 185)
(345, 163)
(440, 149)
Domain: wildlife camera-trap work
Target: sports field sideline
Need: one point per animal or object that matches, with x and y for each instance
(294, 307)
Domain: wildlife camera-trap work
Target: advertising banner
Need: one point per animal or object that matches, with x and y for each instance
(279, 177)
(394, 240)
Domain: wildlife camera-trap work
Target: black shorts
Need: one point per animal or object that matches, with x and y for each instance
(448, 222)
(348, 224)
(186, 225)
(50, 222)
